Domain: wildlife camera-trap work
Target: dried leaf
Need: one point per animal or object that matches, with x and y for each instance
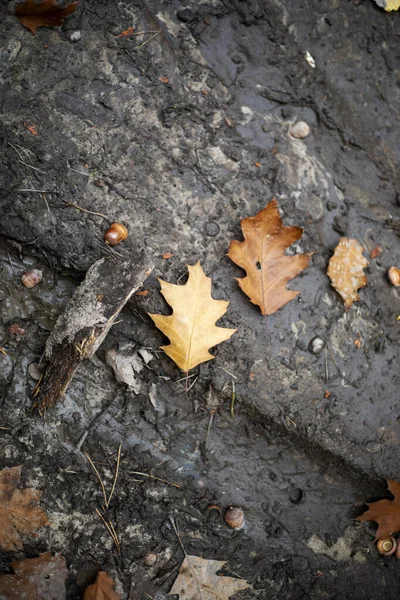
(262, 256)
(102, 588)
(346, 270)
(191, 328)
(43, 14)
(40, 578)
(197, 579)
(19, 510)
(127, 32)
(385, 512)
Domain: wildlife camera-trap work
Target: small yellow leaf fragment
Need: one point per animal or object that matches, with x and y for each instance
(346, 270)
(191, 328)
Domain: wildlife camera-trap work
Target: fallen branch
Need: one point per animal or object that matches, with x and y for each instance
(84, 324)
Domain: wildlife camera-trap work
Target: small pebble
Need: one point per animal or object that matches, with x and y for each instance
(33, 371)
(295, 495)
(234, 517)
(316, 345)
(299, 130)
(75, 36)
(31, 278)
(150, 559)
(211, 228)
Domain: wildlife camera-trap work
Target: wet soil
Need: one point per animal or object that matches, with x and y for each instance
(180, 160)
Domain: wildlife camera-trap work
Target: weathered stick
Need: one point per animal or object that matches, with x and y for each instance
(84, 324)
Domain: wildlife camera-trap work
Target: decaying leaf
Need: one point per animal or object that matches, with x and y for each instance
(19, 510)
(102, 588)
(191, 328)
(262, 256)
(40, 578)
(43, 14)
(346, 270)
(197, 580)
(385, 512)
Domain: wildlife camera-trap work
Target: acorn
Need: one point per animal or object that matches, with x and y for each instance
(31, 278)
(234, 517)
(34, 371)
(387, 546)
(394, 276)
(116, 234)
(150, 559)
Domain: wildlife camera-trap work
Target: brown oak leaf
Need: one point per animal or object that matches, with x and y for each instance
(102, 588)
(43, 14)
(262, 256)
(40, 578)
(385, 512)
(19, 510)
(346, 270)
(191, 328)
(197, 579)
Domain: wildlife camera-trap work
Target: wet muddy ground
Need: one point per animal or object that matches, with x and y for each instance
(176, 162)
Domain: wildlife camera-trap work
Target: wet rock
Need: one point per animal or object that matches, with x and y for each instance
(75, 36)
(296, 495)
(31, 278)
(185, 15)
(299, 130)
(211, 228)
(316, 345)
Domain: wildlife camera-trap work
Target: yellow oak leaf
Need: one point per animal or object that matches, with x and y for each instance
(191, 328)
(262, 256)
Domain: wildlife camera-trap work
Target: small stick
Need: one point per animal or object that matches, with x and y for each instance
(231, 374)
(116, 536)
(115, 477)
(45, 200)
(175, 526)
(149, 40)
(212, 413)
(23, 162)
(91, 212)
(98, 477)
(175, 485)
(233, 400)
(110, 531)
(326, 367)
(38, 191)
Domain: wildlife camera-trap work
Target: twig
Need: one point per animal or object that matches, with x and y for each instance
(175, 485)
(38, 191)
(175, 526)
(91, 212)
(149, 40)
(45, 201)
(326, 367)
(233, 400)
(98, 477)
(231, 374)
(23, 162)
(110, 529)
(212, 413)
(115, 477)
